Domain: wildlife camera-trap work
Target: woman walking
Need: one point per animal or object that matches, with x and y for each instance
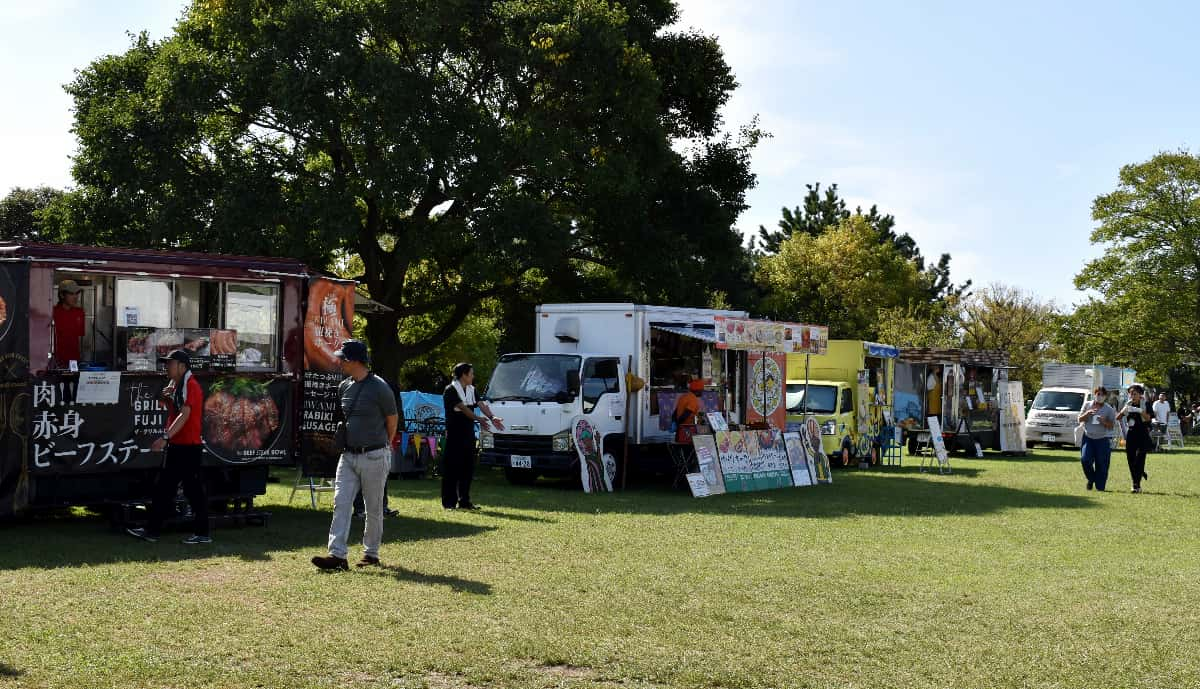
(1097, 420)
(1137, 434)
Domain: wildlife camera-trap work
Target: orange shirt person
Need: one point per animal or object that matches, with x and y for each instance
(68, 323)
(688, 407)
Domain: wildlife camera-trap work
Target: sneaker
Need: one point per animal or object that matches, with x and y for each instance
(367, 561)
(141, 533)
(1089, 485)
(196, 540)
(391, 513)
(329, 562)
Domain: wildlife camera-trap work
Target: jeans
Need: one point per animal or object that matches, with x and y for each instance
(1095, 455)
(366, 472)
(182, 466)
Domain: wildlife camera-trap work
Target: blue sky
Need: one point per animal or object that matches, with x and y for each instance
(986, 130)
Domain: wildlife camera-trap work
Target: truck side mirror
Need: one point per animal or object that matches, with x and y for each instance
(573, 383)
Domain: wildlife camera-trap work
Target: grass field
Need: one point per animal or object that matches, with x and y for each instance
(1006, 573)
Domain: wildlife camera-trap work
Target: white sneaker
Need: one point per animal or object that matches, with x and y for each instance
(196, 540)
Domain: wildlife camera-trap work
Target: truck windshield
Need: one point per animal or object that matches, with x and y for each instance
(822, 399)
(1058, 400)
(532, 378)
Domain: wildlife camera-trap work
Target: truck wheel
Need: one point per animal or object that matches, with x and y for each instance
(520, 477)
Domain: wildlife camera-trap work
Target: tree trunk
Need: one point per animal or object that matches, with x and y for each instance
(383, 333)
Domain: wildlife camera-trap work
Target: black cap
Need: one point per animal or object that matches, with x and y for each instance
(177, 355)
(354, 350)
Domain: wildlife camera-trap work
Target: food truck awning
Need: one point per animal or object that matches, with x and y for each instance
(363, 304)
(708, 335)
(881, 350)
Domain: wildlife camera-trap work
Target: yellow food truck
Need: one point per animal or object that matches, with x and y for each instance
(849, 392)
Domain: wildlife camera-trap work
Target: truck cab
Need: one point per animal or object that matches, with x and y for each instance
(538, 395)
(831, 403)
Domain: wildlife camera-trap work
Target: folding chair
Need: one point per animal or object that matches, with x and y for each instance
(315, 486)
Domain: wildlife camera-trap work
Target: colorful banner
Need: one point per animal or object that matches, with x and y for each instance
(752, 460)
(771, 336)
(764, 389)
(245, 421)
(327, 323)
(14, 386)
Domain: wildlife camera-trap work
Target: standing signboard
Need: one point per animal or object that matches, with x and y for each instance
(327, 323)
(1012, 417)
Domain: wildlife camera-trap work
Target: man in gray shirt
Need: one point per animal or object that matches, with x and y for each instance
(1098, 420)
(369, 408)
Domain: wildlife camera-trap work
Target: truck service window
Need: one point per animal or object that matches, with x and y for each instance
(253, 311)
(145, 303)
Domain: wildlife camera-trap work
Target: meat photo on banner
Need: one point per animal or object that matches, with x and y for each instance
(328, 320)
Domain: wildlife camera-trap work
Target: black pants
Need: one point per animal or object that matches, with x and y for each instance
(458, 468)
(1135, 454)
(183, 466)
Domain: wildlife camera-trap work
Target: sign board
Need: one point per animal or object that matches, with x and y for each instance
(798, 459)
(698, 485)
(709, 463)
(327, 323)
(939, 443)
(98, 387)
(765, 389)
(1012, 417)
(771, 336)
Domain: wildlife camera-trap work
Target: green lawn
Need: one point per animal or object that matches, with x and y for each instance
(1004, 574)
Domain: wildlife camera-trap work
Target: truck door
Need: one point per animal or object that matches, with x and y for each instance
(603, 401)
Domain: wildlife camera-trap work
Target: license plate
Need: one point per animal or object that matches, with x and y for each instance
(521, 462)
(1049, 437)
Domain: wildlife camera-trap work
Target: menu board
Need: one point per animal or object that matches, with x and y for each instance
(771, 336)
(209, 349)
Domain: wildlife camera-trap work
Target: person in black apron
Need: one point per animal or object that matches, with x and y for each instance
(1137, 435)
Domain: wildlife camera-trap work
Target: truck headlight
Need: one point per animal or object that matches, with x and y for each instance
(561, 442)
(487, 441)
(829, 427)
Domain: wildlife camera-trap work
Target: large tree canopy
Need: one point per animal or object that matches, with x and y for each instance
(463, 149)
(844, 277)
(1149, 276)
(821, 212)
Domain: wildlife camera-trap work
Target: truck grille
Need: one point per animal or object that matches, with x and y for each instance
(523, 444)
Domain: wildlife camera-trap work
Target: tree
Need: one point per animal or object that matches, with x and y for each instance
(844, 278)
(1006, 318)
(464, 149)
(1149, 276)
(820, 213)
(20, 213)
(927, 325)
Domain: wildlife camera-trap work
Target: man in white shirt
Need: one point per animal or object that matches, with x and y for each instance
(1162, 408)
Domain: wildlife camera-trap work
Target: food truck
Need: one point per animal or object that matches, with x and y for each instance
(963, 389)
(78, 416)
(848, 390)
(578, 371)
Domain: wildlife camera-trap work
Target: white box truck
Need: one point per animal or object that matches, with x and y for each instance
(578, 369)
(1066, 390)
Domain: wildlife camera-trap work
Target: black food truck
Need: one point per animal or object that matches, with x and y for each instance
(79, 393)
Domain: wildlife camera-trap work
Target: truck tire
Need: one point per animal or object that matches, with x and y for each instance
(1029, 444)
(520, 477)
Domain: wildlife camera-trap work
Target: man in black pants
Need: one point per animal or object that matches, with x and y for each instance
(458, 461)
(1137, 434)
(185, 451)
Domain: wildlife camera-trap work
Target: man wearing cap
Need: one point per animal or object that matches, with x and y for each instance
(185, 451)
(369, 408)
(687, 409)
(68, 323)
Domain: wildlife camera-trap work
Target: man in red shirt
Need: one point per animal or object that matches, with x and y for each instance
(185, 451)
(68, 323)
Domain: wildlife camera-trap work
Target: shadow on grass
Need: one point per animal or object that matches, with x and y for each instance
(7, 670)
(56, 542)
(889, 492)
(458, 584)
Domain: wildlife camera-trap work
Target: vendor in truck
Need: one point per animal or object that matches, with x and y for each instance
(68, 324)
(687, 409)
